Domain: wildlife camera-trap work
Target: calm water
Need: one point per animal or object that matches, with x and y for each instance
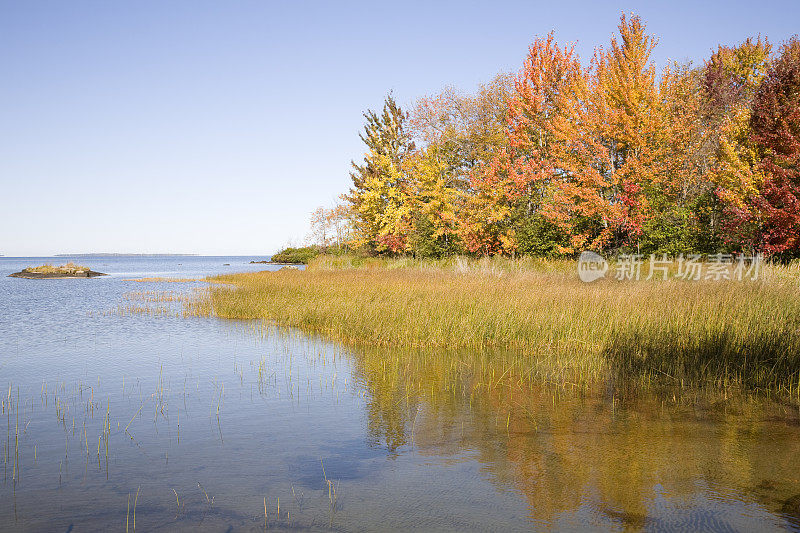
(208, 419)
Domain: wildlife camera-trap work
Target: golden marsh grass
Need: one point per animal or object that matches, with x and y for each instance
(163, 280)
(540, 316)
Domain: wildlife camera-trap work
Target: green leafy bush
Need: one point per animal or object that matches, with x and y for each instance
(297, 255)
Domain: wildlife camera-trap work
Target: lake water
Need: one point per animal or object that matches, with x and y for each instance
(200, 423)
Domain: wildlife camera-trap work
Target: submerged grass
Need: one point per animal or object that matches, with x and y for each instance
(723, 333)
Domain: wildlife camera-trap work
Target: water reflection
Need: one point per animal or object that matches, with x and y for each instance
(595, 458)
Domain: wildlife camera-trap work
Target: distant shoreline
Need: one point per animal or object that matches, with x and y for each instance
(126, 255)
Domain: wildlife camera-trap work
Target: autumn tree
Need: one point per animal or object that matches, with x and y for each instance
(550, 191)
(339, 220)
(775, 124)
(457, 132)
(586, 152)
(733, 74)
(330, 227)
(732, 77)
(467, 129)
(555, 135)
(513, 184)
(433, 200)
(376, 197)
(320, 227)
(631, 120)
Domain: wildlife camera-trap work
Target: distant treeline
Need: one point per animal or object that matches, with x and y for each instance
(610, 156)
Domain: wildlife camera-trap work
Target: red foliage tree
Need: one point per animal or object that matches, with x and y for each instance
(775, 123)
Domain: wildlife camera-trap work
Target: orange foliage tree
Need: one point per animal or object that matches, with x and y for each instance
(611, 156)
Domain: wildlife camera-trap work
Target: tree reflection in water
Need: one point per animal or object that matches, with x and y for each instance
(631, 455)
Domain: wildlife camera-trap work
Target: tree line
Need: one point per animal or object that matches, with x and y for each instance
(613, 156)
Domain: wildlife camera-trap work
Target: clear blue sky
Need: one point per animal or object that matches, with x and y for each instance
(217, 127)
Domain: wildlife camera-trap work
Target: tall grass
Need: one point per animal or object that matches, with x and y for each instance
(723, 333)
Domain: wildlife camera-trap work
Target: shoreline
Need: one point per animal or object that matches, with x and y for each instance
(274, 263)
